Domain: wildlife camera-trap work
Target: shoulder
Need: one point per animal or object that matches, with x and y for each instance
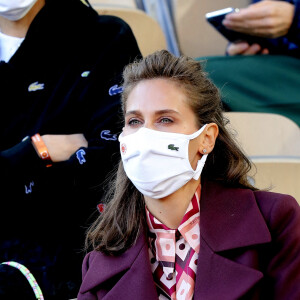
(266, 199)
(278, 209)
(112, 21)
(98, 268)
(110, 263)
(275, 208)
(88, 259)
(76, 16)
(239, 207)
(112, 25)
(269, 203)
(115, 32)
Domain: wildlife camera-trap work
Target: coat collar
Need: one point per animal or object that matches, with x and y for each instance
(221, 278)
(229, 219)
(132, 268)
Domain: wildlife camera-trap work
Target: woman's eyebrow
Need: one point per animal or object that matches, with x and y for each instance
(132, 112)
(158, 112)
(166, 111)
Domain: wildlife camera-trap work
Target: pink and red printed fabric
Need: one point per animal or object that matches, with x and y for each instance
(174, 253)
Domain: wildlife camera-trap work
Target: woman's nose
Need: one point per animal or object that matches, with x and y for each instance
(149, 125)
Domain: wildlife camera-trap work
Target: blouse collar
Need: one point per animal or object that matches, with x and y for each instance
(189, 228)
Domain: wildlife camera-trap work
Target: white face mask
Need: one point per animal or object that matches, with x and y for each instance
(15, 9)
(157, 162)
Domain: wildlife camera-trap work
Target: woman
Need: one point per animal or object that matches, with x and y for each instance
(152, 241)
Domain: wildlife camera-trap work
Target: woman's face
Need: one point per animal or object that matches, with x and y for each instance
(160, 104)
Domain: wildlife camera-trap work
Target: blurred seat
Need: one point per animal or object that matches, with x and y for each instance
(113, 3)
(281, 175)
(265, 134)
(272, 142)
(146, 29)
(161, 11)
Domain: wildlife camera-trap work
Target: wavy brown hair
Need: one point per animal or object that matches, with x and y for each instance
(118, 227)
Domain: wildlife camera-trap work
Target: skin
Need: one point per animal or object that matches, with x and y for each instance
(160, 104)
(60, 147)
(20, 27)
(270, 19)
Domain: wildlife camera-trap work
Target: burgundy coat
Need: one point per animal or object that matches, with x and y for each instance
(250, 249)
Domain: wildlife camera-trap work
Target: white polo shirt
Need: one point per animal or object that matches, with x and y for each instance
(8, 46)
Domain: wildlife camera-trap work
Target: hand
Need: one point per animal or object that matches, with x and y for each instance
(243, 48)
(62, 146)
(270, 19)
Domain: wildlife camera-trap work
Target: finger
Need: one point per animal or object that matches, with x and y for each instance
(252, 50)
(260, 23)
(246, 14)
(250, 18)
(265, 51)
(237, 48)
(255, 27)
(254, 11)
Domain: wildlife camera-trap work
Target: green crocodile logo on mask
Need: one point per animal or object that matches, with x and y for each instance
(172, 147)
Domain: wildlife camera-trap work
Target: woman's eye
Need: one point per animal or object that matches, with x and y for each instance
(165, 120)
(133, 122)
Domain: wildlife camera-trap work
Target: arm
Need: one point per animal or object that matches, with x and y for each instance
(99, 106)
(62, 146)
(269, 19)
(23, 159)
(86, 108)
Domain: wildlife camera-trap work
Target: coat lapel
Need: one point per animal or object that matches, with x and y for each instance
(124, 277)
(221, 278)
(229, 219)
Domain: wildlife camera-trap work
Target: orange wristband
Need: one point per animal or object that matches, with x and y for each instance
(40, 147)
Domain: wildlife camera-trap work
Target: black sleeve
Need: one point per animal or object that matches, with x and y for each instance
(20, 158)
(92, 107)
(100, 105)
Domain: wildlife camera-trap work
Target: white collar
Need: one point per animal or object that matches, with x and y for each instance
(8, 46)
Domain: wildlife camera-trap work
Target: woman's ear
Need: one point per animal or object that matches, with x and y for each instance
(208, 138)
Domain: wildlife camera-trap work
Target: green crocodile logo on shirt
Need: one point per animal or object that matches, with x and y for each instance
(172, 147)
